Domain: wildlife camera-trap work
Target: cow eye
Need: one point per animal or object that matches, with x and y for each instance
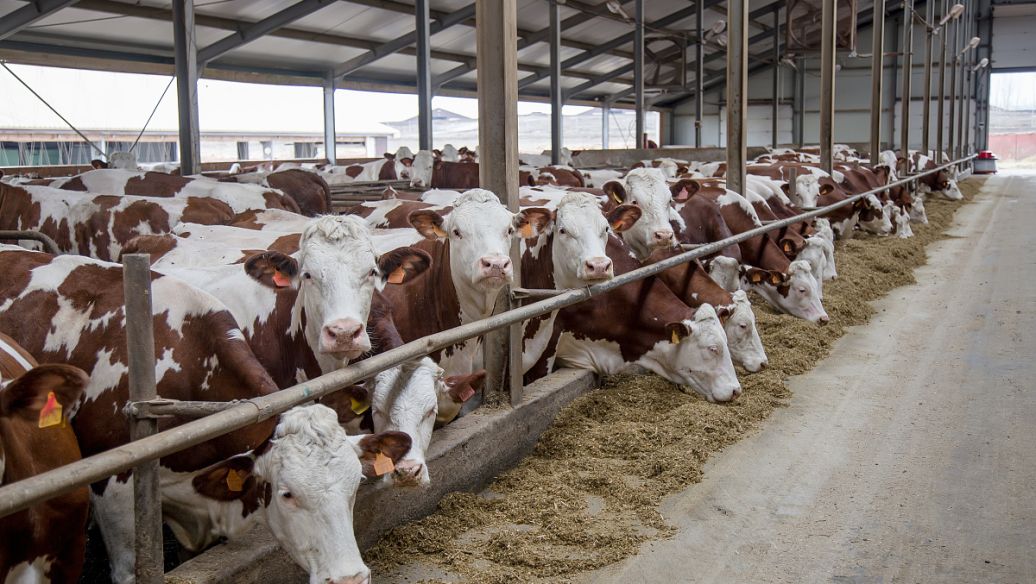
(287, 496)
(562, 231)
(307, 276)
(374, 273)
(456, 232)
(743, 326)
(510, 230)
(802, 290)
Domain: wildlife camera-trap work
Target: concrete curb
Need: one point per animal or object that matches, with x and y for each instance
(464, 456)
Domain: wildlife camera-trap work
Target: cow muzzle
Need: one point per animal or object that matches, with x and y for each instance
(663, 238)
(359, 578)
(409, 473)
(344, 337)
(495, 268)
(597, 269)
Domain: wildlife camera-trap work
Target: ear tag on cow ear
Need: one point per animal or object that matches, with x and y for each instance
(51, 415)
(359, 407)
(527, 232)
(281, 280)
(236, 480)
(438, 231)
(383, 465)
(617, 225)
(616, 197)
(787, 247)
(675, 338)
(397, 276)
(466, 395)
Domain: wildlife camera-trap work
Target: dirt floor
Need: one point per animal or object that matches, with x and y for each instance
(877, 471)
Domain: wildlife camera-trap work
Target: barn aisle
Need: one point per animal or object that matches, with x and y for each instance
(906, 456)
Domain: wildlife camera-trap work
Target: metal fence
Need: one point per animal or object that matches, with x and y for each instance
(224, 417)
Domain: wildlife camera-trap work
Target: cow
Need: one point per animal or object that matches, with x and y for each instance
(559, 176)
(113, 181)
(646, 188)
(298, 473)
(99, 225)
(387, 169)
(449, 153)
(46, 542)
(936, 182)
(309, 190)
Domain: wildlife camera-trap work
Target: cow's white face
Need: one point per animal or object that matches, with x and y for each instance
(647, 189)
(815, 254)
(877, 220)
(901, 219)
(406, 400)
(796, 293)
(950, 190)
(696, 357)
(314, 470)
(449, 153)
(746, 348)
(918, 213)
(421, 169)
(724, 271)
(807, 190)
(580, 239)
(403, 170)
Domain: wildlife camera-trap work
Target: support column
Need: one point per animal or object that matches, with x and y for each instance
(940, 107)
(557, 102)
(877, 75)
(330, 136)
(776, 75)
(962, 62)
(926, 116)
(908, 75)
(424, 75)
(799, 102)
(951, 145)
(737, 98)
(828, 18)
(606, 118)
(186, 53)
(497, 37)
(893, 86)
(638, 69)
(699, 71)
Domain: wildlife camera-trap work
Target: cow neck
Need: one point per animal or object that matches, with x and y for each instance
(473, 303)
(538, 267)
(439, 286)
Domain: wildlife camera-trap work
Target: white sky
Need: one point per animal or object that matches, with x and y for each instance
(1013, 91)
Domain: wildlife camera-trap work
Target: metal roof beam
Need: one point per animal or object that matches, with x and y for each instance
(261, 28)
(30, 13)
(408, 39)
(597, 80)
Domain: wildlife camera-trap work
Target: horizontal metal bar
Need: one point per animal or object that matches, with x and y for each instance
(50, 244)
(522, 293)
(167, 408)
(25, 493)
(30, 13)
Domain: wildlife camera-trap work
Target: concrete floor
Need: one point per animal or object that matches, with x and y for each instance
(908, 455)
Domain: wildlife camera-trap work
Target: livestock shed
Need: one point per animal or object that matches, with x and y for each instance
(312, 357)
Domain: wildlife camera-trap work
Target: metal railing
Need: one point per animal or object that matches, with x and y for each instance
(236, 415)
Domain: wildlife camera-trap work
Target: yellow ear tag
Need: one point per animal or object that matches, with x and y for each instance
(50, 415)
(676, 338)
(438, 231)
(617, 198)
(617, 225)
(358, 406)
(383, 465)
(527, 230)
(397, 276)
(236, 480)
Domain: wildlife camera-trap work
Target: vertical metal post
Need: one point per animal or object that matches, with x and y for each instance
(877, 75)
(926, 113)
(940, 107)
(776, 74)
(962, 62)
(422, 17)
(606, 119)
(699, 71)
(828, 18)
(951, 145)
(638, 68)
(140, 346)
(737, 98)
(799, 102)
(186, 52)
(557, 103)
(908, 76)
(330, 135)
(893, 85)
(497, 61)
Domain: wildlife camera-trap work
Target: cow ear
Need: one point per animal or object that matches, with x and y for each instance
(461, 388)
(786, 188)
(724, 312)
(623, 217)
(615, 191)
(349, 403)
(754, 275)
(826, 189)
(272, 269)
(776, 278)
(373, 449)
(637, 165)
(678, 331)
(403, 264)
(428, 223)
(41, 389)
(390, 156)
(227, 480)
(684, 189)
(389, 194)
(533, 221)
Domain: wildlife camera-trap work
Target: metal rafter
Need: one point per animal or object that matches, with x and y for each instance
(261, 28)
(30, 13)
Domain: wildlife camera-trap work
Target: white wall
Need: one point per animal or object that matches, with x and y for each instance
(1014, 36)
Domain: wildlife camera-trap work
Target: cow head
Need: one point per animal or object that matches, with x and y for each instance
(479, 231)
(746, 348)
(807, 190)
(947, 186)
(421, 169)
(900, 221)
(695, 356)
(795, 292)
(403, 153)
(405, 400)
(917, 211)
(647, 189)
(336, 272)
(725, 271)
(873, 218)
(815, 253)
(580, 237)
(454, 392)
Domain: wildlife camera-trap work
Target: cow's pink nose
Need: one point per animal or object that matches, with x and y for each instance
(408, 472)
(824, 319)
(359, 578)
(597, 268)
(664, 235)
(342, 335)
(496, 265)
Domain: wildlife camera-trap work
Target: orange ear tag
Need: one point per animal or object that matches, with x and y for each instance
(617, 225)
(358, 406)
(50, 415)
(383, 465)
(468, 392)
(527, 230)
(397, 276)
(281, 280)
(236, 480)
(675, 338)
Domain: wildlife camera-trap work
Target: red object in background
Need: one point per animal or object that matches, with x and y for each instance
(985, 163)
(986, 155)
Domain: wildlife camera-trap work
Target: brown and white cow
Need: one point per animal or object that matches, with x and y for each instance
(309, 190)
(647, 189)
(297, 473)
(46, 542)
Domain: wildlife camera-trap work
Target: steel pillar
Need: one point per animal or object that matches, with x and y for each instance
(893, 86)
(699, 72)
(330, 135)
(877, 74)
(497, 36)
(828, 18)
(557, 103)
(951, 144)
(926, 113)
(962, 64)
(776, 75)
(638, 68)
(186, 53)
(908, 75)
(606, 114)
(737, 98)
(422, 17)
(940, 107)
(799, 102)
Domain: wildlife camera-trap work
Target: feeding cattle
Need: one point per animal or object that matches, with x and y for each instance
(647, 189)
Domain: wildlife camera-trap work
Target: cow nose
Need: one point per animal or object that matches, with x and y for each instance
(342, 334)
(734, 394)
(664, 235)
(823, 319)
(407, 472)
(598, 268)
(497, 265)
(363, 577)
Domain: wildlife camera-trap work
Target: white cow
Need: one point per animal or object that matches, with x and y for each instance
(646, 188)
